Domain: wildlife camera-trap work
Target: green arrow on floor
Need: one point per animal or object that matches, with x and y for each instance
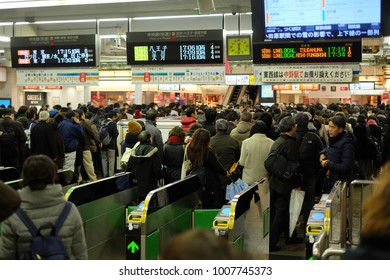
(133, 246)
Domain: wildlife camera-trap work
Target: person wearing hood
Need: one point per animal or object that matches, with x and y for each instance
(242, 131)
(189, 119)
(339, 156)
(145, 164)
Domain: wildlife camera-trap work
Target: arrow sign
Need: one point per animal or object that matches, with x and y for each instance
(133, 246)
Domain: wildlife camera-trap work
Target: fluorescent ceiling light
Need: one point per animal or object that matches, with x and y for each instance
(113, 19)
(175, 17)
(236, 32)
(56, 21)
(6, 23)
(5, 38)
(19, 4)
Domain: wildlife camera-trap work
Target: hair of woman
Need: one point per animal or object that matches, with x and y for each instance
(198, 148)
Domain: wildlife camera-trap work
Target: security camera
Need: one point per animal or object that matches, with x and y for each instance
(234, 13)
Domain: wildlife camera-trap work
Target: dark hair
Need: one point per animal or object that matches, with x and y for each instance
(210, 115)
(258, 127)
(267, 119)
(39, 171)
(177, 131)
(190, 111)
(338, 121)
(70, 114)
(361, 119)
(145, 137)
(197, 149)
(232, 116)
(302, 119)
(151, 115)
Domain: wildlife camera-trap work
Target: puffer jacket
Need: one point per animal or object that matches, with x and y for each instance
(41, 207)
(341, 156)
(186, 123)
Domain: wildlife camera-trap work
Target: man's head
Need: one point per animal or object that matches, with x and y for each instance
(336, 125)
(287, 124)
(222, 125)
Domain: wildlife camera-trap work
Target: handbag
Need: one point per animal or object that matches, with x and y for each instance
(126, 155)
(186, 166)
(234, 188)
(279, 166)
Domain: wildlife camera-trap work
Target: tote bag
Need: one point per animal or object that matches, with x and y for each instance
(186, 166)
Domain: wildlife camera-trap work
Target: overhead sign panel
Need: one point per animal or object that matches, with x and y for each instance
(54, 51)
(175, 47)
(313, 52)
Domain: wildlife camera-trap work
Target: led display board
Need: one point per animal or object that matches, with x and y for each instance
(175, 47)
(315, 19)
(312, 52)
(54, 51)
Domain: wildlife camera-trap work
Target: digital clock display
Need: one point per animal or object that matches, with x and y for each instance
(314, 52)
(180, 47)
(54, 51)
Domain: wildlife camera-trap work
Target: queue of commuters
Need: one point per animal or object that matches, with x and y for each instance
(327, 142)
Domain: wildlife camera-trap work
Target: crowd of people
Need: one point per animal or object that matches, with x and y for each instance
(330, 142)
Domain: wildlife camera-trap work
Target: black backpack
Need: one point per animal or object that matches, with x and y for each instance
(46, 247)
(7, 136)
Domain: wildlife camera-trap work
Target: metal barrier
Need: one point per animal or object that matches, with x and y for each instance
(245, 221)
(9, 174)
(327, 223)
(101, 205)
(166, 211)
(360, 191)
(336, 215)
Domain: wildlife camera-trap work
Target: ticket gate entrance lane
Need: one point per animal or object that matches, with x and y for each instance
(244, 222)
(102, 205)
(166, 211)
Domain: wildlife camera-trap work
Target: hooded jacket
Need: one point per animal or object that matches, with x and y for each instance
(42, 206)
(241, 132)
(145, 164)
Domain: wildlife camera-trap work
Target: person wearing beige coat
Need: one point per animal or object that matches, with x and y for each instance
(42, 201)
(254, 152)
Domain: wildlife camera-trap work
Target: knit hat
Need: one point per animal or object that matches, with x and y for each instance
(134, 127)
(371, 122)
(53, 113)
(43, 115)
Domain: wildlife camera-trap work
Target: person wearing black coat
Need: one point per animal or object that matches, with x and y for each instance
(145, 164)
(174, 155)
(201, 155)
(42, 137)
(13, 154)
(9, 201)
(280, 191)
(310, 146)
(338, 158)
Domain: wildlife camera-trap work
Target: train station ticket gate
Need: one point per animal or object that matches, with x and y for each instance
(244, 222)
(327, 224)
(166, 211)
(102, 205)
(360, 191)
(175, 208)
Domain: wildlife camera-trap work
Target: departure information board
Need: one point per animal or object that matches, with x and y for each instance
(54, 51)
(175, 47)
(316, 52)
